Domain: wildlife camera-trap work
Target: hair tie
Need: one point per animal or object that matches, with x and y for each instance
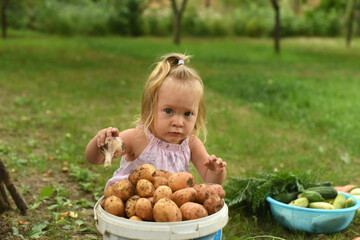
(181, 62)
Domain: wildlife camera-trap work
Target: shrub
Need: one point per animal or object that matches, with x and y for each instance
(157, 22)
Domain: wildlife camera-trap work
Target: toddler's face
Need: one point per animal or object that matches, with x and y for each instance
(175, 114)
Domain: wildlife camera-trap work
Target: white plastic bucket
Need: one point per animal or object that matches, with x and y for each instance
(117, 228)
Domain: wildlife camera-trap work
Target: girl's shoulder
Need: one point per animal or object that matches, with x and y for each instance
(133, 133)
(135, 141)
(194, 142)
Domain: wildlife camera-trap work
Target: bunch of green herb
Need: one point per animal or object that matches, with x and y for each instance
(251, 192)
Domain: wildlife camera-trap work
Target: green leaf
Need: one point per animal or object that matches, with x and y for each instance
(62, 221)
(35, 205)
(15, 231)
(68, 227)
(79, 222)
(46, 192)
(53, 206)
(86, 229)
(38, 229)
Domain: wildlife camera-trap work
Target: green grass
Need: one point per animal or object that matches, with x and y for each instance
(294, 111)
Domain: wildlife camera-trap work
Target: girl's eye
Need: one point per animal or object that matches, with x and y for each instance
(188, 114)
(169, 111)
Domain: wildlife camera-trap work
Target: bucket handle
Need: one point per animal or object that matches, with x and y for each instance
(191, 232)
(95, 214)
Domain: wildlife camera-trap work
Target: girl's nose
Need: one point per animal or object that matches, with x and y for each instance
(177, 122)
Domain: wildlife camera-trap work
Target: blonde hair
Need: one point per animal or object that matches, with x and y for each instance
(178, 74)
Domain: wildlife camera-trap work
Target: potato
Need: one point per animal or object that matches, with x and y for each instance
(162, 173)
(130, 206)
(102, 203)
(145, 188)
(181, 180)
(159, 181)
(216, 188)
(144, 171)
(115, 206)
(213, 203)
(201, 192)
(165, 210)
(184, 195)
(191, 210)
(144, 209)
(207, 188)
(109, 191)
(151, 200)
(135, 218)
(162, 192)
(124, 189)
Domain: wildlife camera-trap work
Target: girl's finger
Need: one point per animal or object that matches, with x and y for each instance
(101, 139)
(109, 132)
(115, 132)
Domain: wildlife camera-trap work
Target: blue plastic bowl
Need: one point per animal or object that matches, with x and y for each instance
(313, 220)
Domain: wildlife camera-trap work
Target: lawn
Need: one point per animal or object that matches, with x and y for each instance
(296, 111)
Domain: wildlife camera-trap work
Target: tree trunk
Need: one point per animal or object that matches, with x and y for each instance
(177, 19)
(3, 6)
(277, 25)
(350, 19)
(207, 3)
(296, 6)
(177, 28)
(18, 199)
(4, 200)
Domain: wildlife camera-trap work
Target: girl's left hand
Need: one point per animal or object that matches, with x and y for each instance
(215, 164)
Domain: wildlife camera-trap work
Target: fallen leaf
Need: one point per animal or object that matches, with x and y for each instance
(22, 223)
(73, 214)
(63, 215)
(48, 173)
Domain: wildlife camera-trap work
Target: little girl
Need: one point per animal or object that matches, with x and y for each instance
(166, 136)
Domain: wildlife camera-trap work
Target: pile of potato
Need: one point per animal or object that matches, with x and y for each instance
(159, 195)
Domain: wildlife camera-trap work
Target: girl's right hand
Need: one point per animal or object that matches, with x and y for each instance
(104, 134)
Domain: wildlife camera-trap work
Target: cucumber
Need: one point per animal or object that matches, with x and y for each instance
(300, 202)
(312, 196)
(355, 191)
(321, 205)
(325, 192)
(349, 202)
(286, 197)
(357, 196)
(339, 201)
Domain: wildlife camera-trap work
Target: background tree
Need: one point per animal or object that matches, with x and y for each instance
(276, 26)
(207, 3)
(134, 15)
(351, 9)
(3, 6)
(177, 19)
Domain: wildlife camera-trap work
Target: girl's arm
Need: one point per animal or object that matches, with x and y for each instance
(92, 152)
(210, 168)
